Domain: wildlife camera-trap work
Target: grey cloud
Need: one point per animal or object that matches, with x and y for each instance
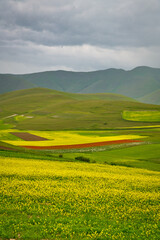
(77, 22)
(20, 58)
(96, 34)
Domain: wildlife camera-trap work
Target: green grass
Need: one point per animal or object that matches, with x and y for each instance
(152, 97)
(54, 195)
(136, 83)
(140, 156)
(4, 126)
(26, 154)
(19, 118)
(142, 116)
(65, 111)
(58, 200)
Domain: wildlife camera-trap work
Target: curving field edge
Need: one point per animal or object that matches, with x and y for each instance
(84, 145)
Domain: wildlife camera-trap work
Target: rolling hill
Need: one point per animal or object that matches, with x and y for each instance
(153, 97)
(135, 83)
(46, 109)
(9, 82)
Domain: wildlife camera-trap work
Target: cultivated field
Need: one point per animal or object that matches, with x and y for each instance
(62, 138)
(134, 147)
(78, 167)
(60, 200)
(142, 116)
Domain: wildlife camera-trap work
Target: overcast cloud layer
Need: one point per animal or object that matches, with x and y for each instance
(80, 35)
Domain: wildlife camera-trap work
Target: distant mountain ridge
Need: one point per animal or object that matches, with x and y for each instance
(136, 83)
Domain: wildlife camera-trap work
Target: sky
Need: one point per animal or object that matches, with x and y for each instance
(78, 35)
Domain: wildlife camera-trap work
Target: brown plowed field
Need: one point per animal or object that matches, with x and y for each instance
(84, 145)
(28, 137)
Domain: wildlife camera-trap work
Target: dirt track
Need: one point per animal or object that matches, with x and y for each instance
(27, 136)
(84, 145)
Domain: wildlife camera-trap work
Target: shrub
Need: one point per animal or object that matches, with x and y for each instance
(113, 163)
(93, 161)
(81, 158)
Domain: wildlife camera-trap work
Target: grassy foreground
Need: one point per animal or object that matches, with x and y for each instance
(62, 200)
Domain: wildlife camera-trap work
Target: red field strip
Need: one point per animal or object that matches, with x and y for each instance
(84, 145)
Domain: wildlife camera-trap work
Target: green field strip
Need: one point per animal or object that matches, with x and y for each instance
(142, 116)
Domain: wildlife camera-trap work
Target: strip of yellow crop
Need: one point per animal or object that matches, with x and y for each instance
(69, 138)
(142, 116)
(153, 126)
(117, 175)
(32, 167)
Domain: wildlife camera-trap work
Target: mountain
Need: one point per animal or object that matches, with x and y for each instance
(153, 97)
(9, 82)
(46, 109)
(135, 83)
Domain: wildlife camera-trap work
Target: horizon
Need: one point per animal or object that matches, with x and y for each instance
(63, 70)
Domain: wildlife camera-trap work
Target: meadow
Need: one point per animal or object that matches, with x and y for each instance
(143, 152)
(61, 200)
(52, 194)
(25, 110)
(105, 191)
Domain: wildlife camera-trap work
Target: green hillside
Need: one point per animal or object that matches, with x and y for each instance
(10, 83)
(135, 83)
(98, 191)
(140, 81)
(45, 109)
(153, 97)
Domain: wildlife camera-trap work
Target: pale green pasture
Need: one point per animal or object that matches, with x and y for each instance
(140, 156)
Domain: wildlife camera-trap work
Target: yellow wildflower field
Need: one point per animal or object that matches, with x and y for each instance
(60, 200)
(56, 138)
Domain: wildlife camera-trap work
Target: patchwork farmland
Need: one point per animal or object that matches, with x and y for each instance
(74, 167)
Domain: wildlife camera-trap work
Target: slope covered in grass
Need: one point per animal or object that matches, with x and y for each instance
(9, 82)
(138, 156)
(135, 83)
(45, 109)
(153, 97)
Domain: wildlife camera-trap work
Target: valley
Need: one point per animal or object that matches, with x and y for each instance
(78, 166)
